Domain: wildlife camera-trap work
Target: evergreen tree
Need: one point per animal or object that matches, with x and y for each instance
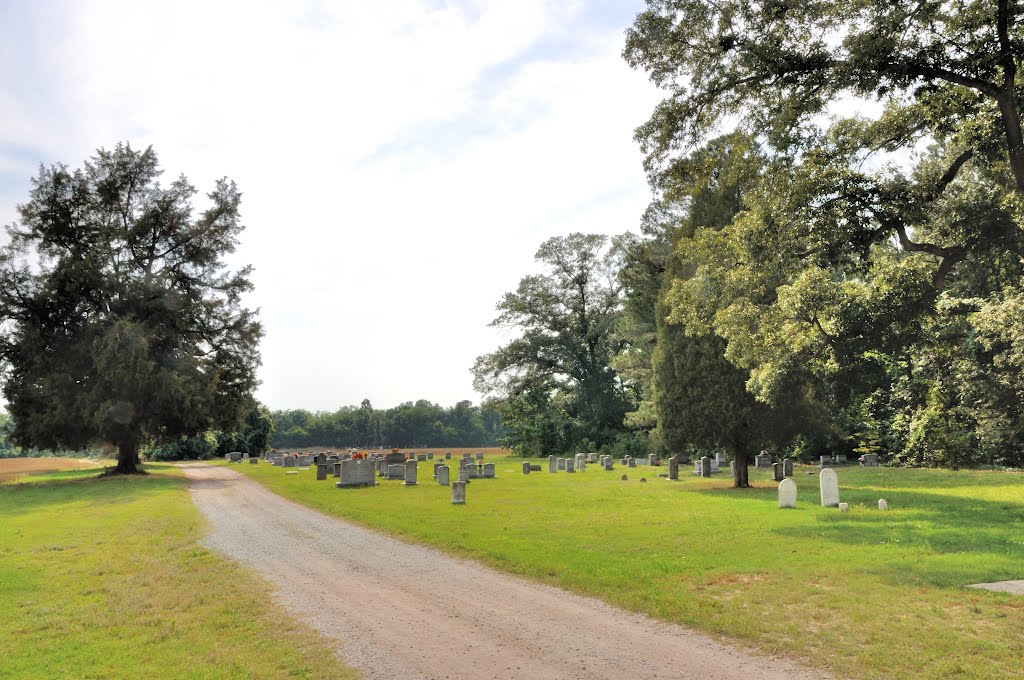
(123, 323)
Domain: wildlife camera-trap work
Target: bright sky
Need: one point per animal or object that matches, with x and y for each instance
(400, 160)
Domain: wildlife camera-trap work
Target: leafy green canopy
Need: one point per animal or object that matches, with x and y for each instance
(121, 322)
(553, 384)
(874, 253)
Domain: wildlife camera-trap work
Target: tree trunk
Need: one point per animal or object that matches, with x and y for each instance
(128, 457)
(739, 475)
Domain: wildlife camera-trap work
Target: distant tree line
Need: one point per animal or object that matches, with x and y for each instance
(409, 425)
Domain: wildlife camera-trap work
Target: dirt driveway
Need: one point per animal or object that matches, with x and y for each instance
(400, 611)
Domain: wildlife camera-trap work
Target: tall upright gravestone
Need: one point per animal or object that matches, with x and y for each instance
(442, 475)
(458, 493)
(552, 464)
(705, 466)
(829, 482)
(787, 493)
(410, 472)
(673, 467)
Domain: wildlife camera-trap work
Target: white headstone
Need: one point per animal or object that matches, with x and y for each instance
(787, 493)
(552, 464)
(844, 507)
(882, 504)
(829, 482)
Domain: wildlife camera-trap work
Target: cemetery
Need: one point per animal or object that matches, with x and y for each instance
(908, 542)
(920, 551)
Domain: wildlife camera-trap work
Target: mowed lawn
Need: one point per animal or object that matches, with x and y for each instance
(104, 578)
(861, 594)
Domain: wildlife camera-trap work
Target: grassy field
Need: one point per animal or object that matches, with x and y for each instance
(862, 594)
(13, 468)
(103, 578)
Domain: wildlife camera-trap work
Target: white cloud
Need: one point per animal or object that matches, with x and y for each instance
(400, 162)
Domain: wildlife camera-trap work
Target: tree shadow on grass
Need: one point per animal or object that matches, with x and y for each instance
(76, 486)
(925, 539)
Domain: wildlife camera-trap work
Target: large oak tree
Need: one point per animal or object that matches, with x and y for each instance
(872, 241)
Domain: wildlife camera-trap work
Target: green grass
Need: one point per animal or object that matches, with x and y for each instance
(863, 594)
(104, 578)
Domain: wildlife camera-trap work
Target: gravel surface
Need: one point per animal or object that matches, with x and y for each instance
(401, 611)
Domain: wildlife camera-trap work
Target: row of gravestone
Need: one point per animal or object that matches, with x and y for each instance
(240, 457)
(867, 460)
(393, 457)
(579, 462)
(365, 471)
(828, 484)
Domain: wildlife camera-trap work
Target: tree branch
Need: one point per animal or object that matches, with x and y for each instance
(950, 174)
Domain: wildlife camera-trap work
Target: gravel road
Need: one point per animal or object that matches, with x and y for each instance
(401, 611)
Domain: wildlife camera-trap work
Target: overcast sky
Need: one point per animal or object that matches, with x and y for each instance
(400, 160)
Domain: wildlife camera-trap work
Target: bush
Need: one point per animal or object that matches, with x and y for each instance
(200, 447)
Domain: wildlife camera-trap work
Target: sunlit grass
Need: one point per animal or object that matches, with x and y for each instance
(103, 578)
(864, 593)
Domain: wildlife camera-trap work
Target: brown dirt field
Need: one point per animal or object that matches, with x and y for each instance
(13, 468)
